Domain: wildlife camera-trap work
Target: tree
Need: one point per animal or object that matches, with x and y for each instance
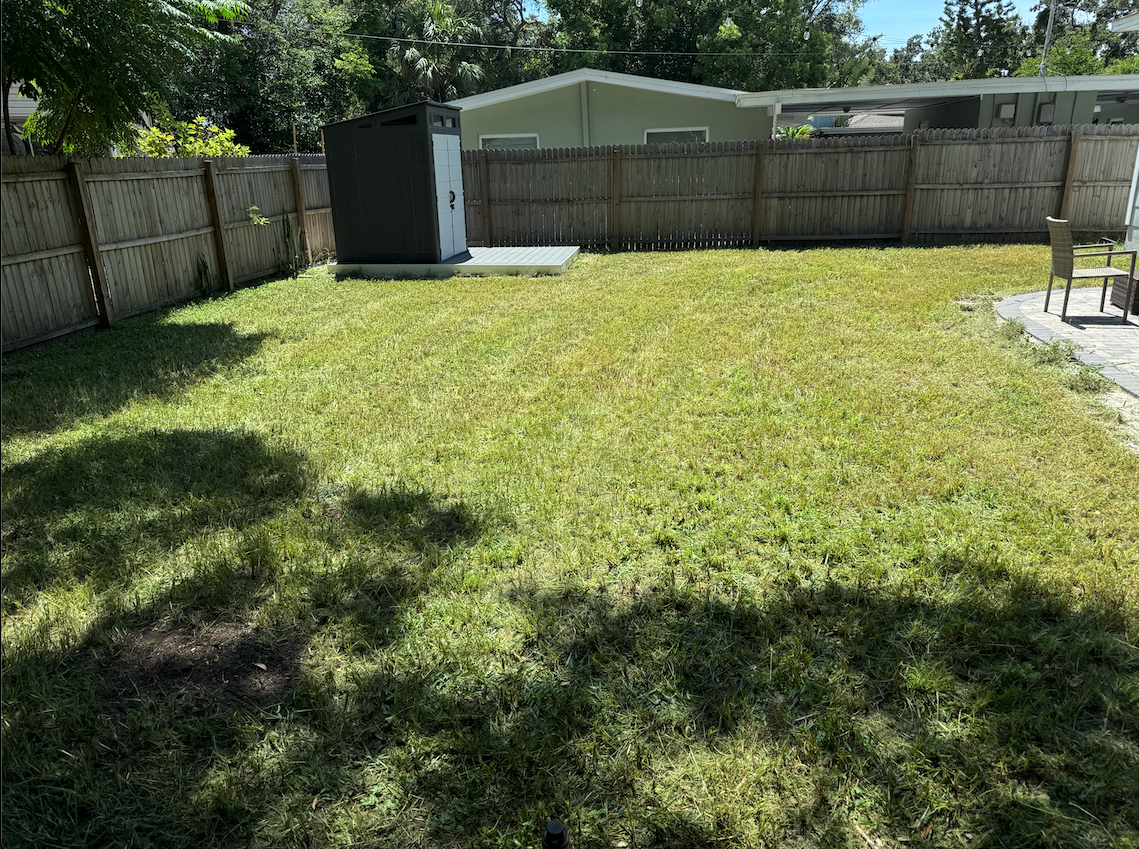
(782, 46)
(189, 138)
(1069, 55)
(981, 38)
(513, 23)
(922, 60)
(98, 67)
(647, 37)
(288, 63)
(1091, 17)
(432, 67)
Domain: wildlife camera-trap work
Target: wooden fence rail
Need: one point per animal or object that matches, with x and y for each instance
(91, 241)
(87, 242)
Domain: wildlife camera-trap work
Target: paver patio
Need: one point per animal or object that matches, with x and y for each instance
(1099, 336)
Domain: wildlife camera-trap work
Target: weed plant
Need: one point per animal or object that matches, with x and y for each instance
(734, 548)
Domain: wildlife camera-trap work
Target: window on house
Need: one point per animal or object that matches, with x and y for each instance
(521, 141)
(676, 135)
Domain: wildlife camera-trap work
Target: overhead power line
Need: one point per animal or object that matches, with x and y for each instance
(580, 49)
(533, 48)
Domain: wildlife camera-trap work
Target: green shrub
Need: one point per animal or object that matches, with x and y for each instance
(189, 138)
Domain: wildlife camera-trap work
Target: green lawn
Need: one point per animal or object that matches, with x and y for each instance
(728, 548)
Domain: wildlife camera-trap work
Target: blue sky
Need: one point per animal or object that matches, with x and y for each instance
(897, 20)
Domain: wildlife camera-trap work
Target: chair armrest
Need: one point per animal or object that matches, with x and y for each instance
(1123, 271)
(1102, 244)
(1110, 253)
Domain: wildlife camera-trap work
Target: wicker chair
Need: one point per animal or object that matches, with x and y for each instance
(1064, 255)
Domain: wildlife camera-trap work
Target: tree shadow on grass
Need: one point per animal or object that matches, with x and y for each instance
(1002, 714)
(101, 509)
(144, 357)
(965, 703)
(190, 719)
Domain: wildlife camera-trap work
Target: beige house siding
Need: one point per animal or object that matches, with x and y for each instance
(595, 113)
(19, 108)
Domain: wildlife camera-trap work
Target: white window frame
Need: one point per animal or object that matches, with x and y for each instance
(645, 135)
(533, 136)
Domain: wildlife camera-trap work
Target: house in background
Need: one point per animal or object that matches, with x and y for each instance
(588, 107)
(20, 109)
(965, 104)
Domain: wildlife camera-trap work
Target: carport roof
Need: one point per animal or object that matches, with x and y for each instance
(896, 98)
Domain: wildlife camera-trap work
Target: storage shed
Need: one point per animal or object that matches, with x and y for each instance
(396, 184)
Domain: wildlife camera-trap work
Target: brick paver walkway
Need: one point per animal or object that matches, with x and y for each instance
(1099, 336)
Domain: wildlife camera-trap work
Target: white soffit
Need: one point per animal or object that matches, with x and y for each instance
(513, 92)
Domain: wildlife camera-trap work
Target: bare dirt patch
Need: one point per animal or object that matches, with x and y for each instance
(223, 663)
(1127, 405)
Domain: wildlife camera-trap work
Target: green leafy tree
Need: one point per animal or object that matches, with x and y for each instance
(189, 138)
(921, 60)
(1090, 17)
(657, 32)
(432, 67)
(516, 24)
(289, 63)
(1069, 55)
(981, 38)
(98, 67)
(1130, 65)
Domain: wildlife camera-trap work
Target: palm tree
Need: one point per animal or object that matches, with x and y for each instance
(433, 66)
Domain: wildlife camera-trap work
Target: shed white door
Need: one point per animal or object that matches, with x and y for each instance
(449, 195)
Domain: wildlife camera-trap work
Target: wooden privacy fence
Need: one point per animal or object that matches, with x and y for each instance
(87, 242)
(929, 187)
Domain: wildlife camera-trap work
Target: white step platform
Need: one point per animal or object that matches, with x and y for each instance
(486, 262)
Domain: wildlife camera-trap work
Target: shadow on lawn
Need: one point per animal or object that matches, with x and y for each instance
(172, 725)
(174, 722)
(101, 509)
(858, 689)
(144, 357)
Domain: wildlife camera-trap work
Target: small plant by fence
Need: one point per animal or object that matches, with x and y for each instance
(88, 242)
(932, 186)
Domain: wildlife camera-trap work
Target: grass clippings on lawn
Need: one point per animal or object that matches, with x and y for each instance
(684, 549)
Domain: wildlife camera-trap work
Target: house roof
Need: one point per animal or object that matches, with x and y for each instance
(873, 119)
(590, 75)
(1128, 23)
(895, 98)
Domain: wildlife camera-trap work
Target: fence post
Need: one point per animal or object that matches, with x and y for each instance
(219, 226)
(615, 200)
(484, 187)
(302, 206)
(911, 179)
(1066, 197)
(90, 234)
(755, 209)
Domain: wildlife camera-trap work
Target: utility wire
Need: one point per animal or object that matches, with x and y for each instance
(578, 49)
(987, 47)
